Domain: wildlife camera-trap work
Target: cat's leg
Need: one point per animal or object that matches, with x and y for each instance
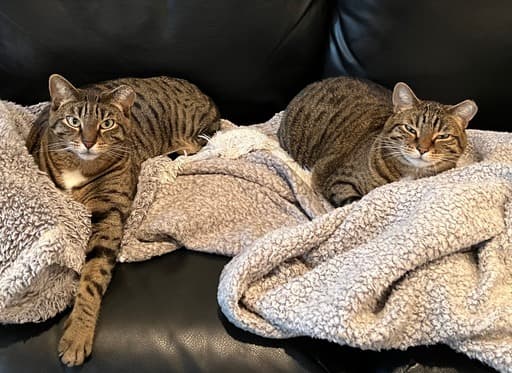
(109, 208)
(335, 183)
(341, 194)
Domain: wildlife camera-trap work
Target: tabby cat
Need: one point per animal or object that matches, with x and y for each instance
(356, 135)
(91, 142)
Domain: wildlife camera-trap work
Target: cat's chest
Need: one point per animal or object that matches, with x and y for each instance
(70, 179)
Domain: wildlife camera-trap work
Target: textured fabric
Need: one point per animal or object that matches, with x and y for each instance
(219, 200)
(43, 233)
(413, 263)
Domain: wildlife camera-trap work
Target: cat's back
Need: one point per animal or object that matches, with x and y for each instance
(168, 98)
(169, 114)
(333, 115)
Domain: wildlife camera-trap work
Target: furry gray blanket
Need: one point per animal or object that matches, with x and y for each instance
(414, 262)
(43, 233)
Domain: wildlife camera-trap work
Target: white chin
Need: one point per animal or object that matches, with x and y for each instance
(87, 156)
(418, 162)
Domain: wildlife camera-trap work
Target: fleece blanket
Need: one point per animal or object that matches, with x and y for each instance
(414, 262)
(43, 233)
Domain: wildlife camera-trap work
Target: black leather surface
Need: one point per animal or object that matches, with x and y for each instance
(250, 56)
(158, 316)
(162, 316)
(446, 50)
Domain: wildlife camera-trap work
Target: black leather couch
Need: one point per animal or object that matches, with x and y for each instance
(251, 57)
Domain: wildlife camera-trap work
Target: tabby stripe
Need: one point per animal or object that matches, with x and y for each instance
(136, 84)
(141, 97)
(177, 87)
(85, 305)
(174, 120)
(326, 134)
(97, 286)
(150, 129)
(141, 139)
(89, 290)
(398, 125)
(186, 131)
(437, 121)
(200, 120)
(154, 122)
(98, 216)
(102, 252)
(459, 142)
(166, 127)
(51, 171)
(86, 312)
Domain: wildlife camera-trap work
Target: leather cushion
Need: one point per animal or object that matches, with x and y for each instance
(162, 316)
(446, 50)
(250, 56)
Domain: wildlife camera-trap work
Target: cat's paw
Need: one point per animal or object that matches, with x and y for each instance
(75, 344)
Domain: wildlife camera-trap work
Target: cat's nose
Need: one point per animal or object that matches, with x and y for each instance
(422, 150)
(88, 144)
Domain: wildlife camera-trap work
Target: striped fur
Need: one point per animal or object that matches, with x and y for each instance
(92, 142)
(356, 135)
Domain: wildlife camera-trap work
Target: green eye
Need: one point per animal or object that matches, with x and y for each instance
(410, 129)
(107, 124)
(443, 136)
(73, 121)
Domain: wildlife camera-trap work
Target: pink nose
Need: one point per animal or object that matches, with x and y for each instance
(88, 144)
(422, 150)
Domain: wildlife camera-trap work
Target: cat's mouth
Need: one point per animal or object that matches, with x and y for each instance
(87, 156)
(416, 161)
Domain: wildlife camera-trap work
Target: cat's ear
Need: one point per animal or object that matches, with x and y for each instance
(465, 111)
(123, 97)
(403, 98)
(61, 91)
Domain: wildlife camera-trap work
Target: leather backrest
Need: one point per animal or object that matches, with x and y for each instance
(250, 56)
(445, 50)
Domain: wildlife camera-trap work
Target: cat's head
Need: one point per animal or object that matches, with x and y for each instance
(89, 122)
(426, 134)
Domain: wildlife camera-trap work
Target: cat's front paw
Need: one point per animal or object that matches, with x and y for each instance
(75, 344)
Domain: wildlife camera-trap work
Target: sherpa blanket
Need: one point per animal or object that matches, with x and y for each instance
(43, 233)
(413, 263)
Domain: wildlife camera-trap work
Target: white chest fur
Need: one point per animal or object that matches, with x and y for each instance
(72, 179)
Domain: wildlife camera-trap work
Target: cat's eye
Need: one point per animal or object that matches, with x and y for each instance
(73, 121)
(410, 129)
(107, 124)
(443, 136)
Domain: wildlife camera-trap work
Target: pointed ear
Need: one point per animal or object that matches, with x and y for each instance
(403, 97)
(61, 91)
(465, 111)
(123, 97)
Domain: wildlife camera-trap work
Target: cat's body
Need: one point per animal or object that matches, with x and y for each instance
(92, 142)
(356, 135)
